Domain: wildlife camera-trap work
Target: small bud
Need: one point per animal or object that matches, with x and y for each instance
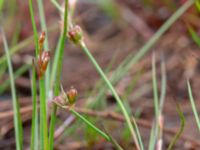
(41, 40)
(75, 34)
(72, 95)
(42, 63)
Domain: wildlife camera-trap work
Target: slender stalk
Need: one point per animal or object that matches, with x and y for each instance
(57, 5)
(155, 127)
(43, 115)
(119, 101)
(17, 117)
(155, 88)
(57, 68)
(34, 27)
(34, 128)
(180, 131)
(90, 124)
(193, 105)
(46, 45)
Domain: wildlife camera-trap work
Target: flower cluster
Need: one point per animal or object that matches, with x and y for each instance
(66, 98)
(75, 34)
(43, 57)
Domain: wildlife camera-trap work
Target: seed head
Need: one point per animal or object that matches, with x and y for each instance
(41, 40)
(75, 34)
(42, 63)
(72, 95)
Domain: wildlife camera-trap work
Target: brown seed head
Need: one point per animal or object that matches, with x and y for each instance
(72, 95)
(41, 40)
(75, 34)
(43, 61)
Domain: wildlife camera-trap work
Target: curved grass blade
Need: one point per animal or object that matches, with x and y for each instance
(193, 105)
(15, 102)
(178, 134)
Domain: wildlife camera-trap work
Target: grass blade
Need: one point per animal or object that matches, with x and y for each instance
(43, 116)
(56, 70)
(46, 45)
(34, 27)
(194, 35)
(154, 130)
(178, 134)
(34, 124)
(155, 88)
(119, 101)
(17, 118)
(90, 124)
(193, 105)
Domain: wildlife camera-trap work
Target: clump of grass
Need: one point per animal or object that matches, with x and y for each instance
(49, 81)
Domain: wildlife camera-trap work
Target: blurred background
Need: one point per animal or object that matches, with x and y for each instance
(113, 30)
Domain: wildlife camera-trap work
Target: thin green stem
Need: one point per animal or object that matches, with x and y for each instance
(90, 124)
(34, 27)
(155, 88)
(180, 131)
(57, 5)
(119, 101)
(56, 70)
(43, 115)
(46, 45)
(34, 131)
(17, 118)
(193, 105)
(43, 120)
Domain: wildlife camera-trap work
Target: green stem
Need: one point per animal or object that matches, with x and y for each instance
(155, 88)
(57, 68)
(57, 5)
(119, 101)
(34, 27)
(34, 124)
(43, 116)
(46, 45)
(90, 124)
(17, 118)
(193, 105)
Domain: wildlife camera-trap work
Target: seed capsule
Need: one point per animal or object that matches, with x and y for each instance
(41, 41)
(75, 34)
(72, 95)
(42, 63)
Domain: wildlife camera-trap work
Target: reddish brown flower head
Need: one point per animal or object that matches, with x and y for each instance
(42, 63)
(75, 34)
(41, 40)
(72, 95)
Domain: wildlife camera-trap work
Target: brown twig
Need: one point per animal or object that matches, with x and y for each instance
(106, 115)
